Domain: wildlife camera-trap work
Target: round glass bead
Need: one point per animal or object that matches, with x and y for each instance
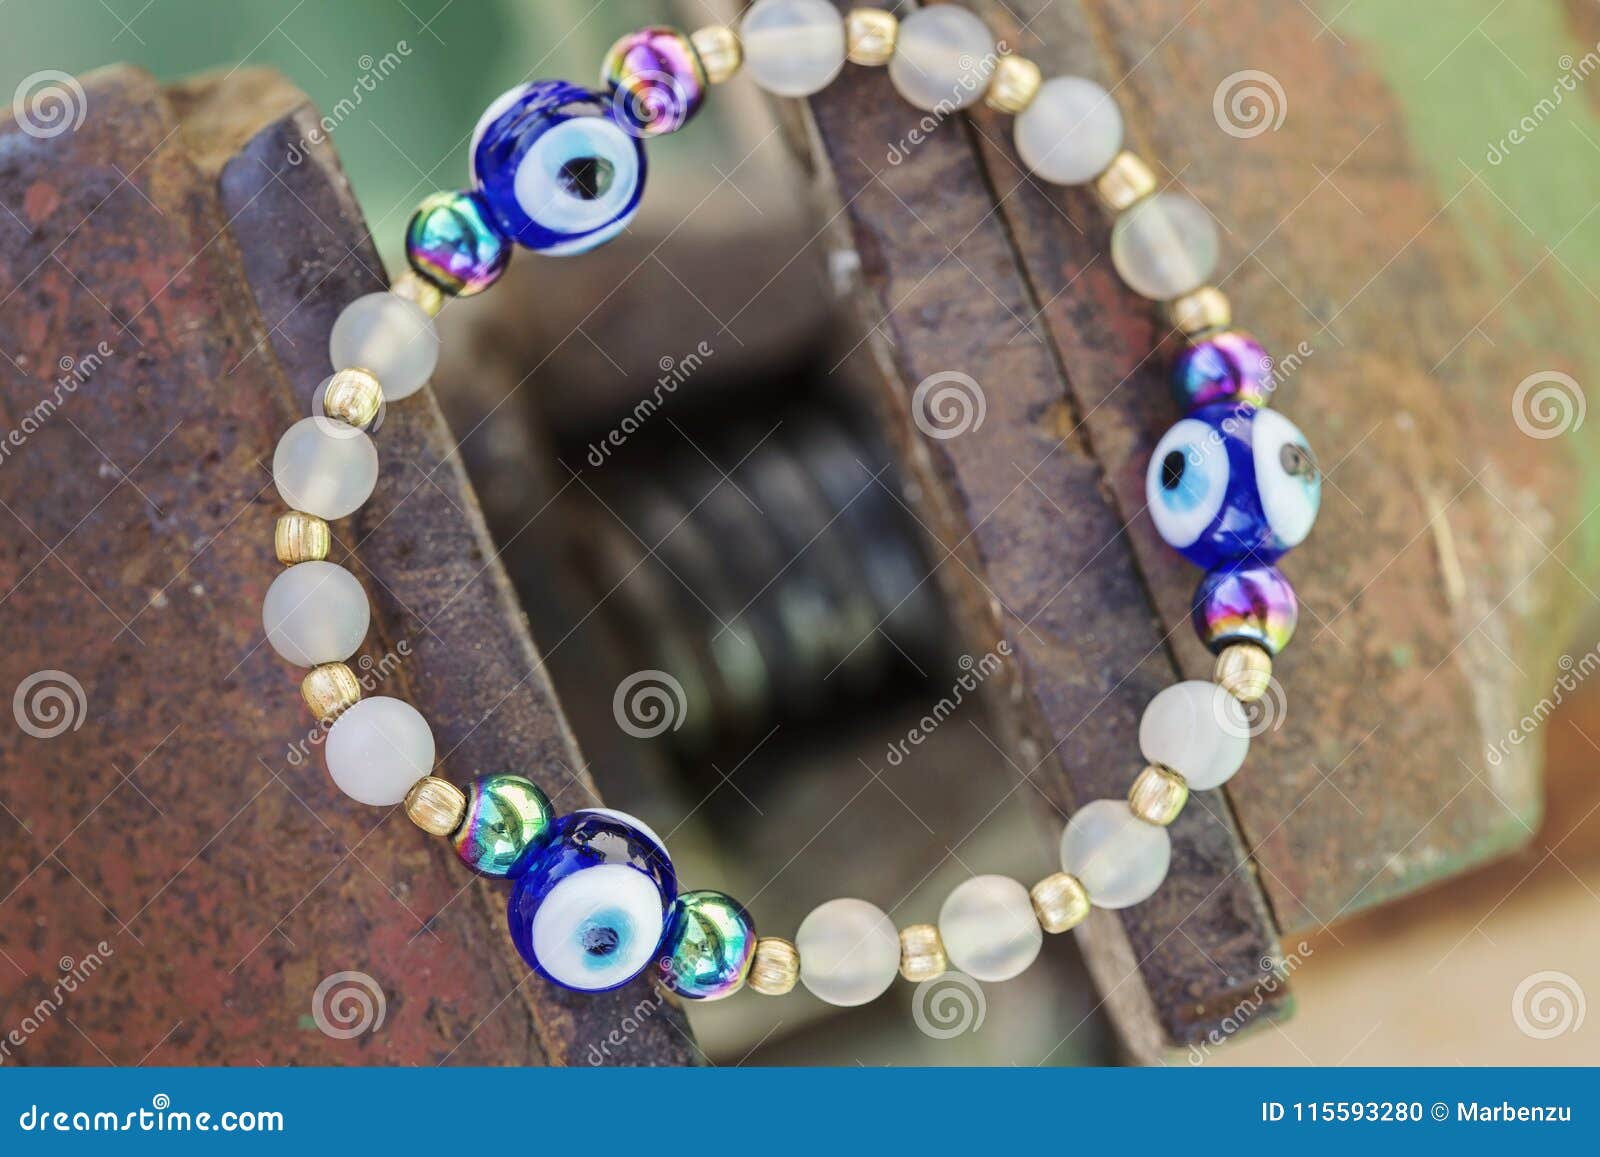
(1070, 131)
(1229, 366)
(506, 816)
(849, 952)
(655, 79)
(558, 172)
(709, 945)
(1198, 730)
(590, 907)
(378, 749)
(392, 337)
(989, 928)
(792, 47)
(632, 821)
(1245, 603)
(1165, 246)
(451, 242)
(942, 58)
(1119, 859)
(324, 467)
(1232, 482)
(315, 612)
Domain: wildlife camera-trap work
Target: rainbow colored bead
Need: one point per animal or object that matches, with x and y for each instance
(1249, 603)
(655, 79)
(709, 945)
(506, 818)
(1229, 366)
(451, 242)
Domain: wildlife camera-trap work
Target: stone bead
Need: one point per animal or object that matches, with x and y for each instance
(1126, 181)
(1060, 902)
(989, 928)
(922, 954)
(719, 50)
(1206, 309)
(324, 467)
(1244, 671)
(942, 58)
(869, 35)
(792, 47)
(708, 947)
(776, 968)
(392, 337)
(1158, 795)
(451, 241)
(1013, 86)
(1119, 859)
(849, 952)
(378, 749)
(352, 396)
(330, 689)
(655, 79)
(1070, 132)
(436, 805)
(315, 612)
(1197, 729)
(1165, 246)
(1226, 366)
(503, 821)
(1245, 603)
(301, 537)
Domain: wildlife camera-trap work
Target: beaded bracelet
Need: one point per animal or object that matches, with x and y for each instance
(560, 169)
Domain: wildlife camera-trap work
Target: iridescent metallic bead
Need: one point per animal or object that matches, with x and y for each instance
(505, 818)
(1245, 603)
(655, 79)
(708, 948)
(1229, 366)
(452, 243)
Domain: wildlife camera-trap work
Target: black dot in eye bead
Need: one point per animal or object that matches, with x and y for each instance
(600, 941)
(1172, 470)
(587, 177)
(1297, 461)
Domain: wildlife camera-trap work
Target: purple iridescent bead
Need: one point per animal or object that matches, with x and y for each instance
(1228, 366)
(452, 243)
(1250, 603)
(655, 79)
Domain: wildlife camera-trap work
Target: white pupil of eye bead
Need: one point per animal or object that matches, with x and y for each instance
(598, 927)
(390, 336)
(1289, 501)
(1165, 246)
(1119, 859)
(989, 929)
(1187, 481)
(315, 612)
(849, 952)
(377, 749)
(1197, 729)
(1070, 131)
(942, 58)
(324, 467)
(792, 47)
(549, 179)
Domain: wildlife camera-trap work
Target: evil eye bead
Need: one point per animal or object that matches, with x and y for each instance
(506, 818)
(655, 79)
(1229, 366)
(632, 821)
(451, 242)
(1249, 603)
(1187, 483)
(709, 945)
(1287, 478)
(557, 171)
(589, 910)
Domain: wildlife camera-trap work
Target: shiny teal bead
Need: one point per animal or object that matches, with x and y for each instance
(708, 947)
(506, 817)
(452, 243)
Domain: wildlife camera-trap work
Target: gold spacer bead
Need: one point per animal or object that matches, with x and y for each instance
(1014, 84)
(353, 396)
(1060, 902)
(1126, 181)
(719, 50)
(412, 286)
(301, 537)
(1244, 671)
(870, 35)
(436, 805)
(330, 690)
(1202, 311)
(776, 966)
(922, 955)
(1158, 795)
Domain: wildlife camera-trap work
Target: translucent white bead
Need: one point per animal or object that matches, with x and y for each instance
(792, 47)
(989, 929)
(1119, 859)
(1070, 131)
(849, 952)
(324, 467)
(392, 337)
(942, 58)
(1165, 246)
(315, 612)
(377, 749)
(1197, 729)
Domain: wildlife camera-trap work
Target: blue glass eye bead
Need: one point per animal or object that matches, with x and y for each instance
(506, 817)
(1249, 603)
(590, 908)
(451, 242)
(655, 79)
(1233, 482)
(1228, 366)
(708, 948)
(557, 171)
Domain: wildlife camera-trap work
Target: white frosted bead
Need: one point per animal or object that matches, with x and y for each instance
(392, 337)
(315, 612)
(942, 58)
(1165, 246)
(989, 929)
(1197, 729)
(1118, 858)
(1070, 131)
(377, 749)
(849, 952)
(324, 467)
(792, 47)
